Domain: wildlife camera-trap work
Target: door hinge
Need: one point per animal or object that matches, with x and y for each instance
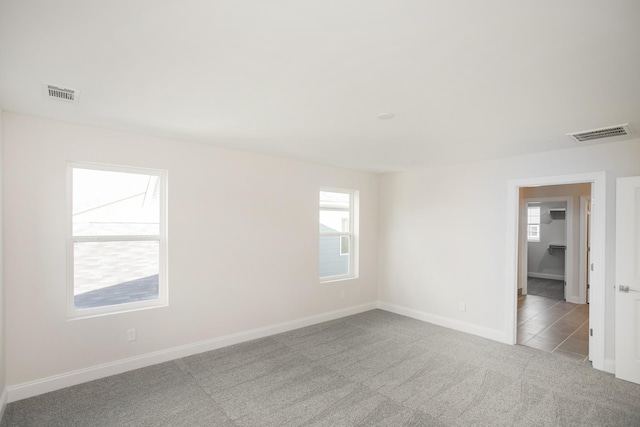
(591, 332)
(591, 266)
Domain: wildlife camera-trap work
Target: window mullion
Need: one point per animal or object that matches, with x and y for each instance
(336, 233)
(126, 238)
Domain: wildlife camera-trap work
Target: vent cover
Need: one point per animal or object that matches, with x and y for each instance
(60, 93)
(590, 135)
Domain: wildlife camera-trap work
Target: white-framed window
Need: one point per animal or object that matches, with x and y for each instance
(338, 222)
(117, 244)
(533, 223)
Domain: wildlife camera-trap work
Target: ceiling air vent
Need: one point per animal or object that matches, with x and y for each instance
(60, 93)
(590, 135)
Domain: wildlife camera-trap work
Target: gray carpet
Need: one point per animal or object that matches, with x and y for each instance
(546, 288)
(371, 369)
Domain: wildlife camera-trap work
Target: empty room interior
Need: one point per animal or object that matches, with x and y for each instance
(249, 213)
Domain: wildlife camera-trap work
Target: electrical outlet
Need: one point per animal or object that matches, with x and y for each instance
(131, 335)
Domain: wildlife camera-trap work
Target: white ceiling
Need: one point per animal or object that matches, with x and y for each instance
(307, 79)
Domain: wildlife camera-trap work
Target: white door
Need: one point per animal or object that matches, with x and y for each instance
(628, 279)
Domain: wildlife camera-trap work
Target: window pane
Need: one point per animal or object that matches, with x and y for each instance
(334, 199)
(331, 262)
(111, 273)
(533, 215)
(115, 203)
(334, 212)
(344, 245)
(334, 221)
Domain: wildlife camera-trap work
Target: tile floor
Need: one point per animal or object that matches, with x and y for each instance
(545, 287)
(555, 326)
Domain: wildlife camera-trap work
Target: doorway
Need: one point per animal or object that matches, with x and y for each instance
(550, 317)
(595, 329)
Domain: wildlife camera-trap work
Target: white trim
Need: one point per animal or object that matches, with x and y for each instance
(348, 244)
(573, 300)
(116, 238)
(67, 379)
(329, 279)
(523, 246)
(610, 366)
(458, 325)
(546, 276)
(582, 275)
(598, 227)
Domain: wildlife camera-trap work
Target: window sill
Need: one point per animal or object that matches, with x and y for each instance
(111, 310)
(337, 278)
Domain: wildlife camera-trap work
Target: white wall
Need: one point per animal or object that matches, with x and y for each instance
(443, 234)
(243, 246)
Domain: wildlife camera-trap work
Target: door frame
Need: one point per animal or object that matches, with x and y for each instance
(584, 247)
(598, 182)
(524, 247)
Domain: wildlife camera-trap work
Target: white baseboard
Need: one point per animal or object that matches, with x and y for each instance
(546, 276)
(67, 379)
(574, 300)
(3, 402)
(458, 325)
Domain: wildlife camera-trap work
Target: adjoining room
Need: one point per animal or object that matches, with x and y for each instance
(553, 307)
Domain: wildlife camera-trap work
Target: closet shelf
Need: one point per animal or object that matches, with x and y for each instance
(556, 247)
(558, 213)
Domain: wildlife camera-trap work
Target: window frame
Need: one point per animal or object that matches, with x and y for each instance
(531, 238)
(351, 235)
(342, 252)
(161, 238)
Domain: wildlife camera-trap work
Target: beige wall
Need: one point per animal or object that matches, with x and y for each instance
(243, 246)
(443, 234)
(243, 242)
